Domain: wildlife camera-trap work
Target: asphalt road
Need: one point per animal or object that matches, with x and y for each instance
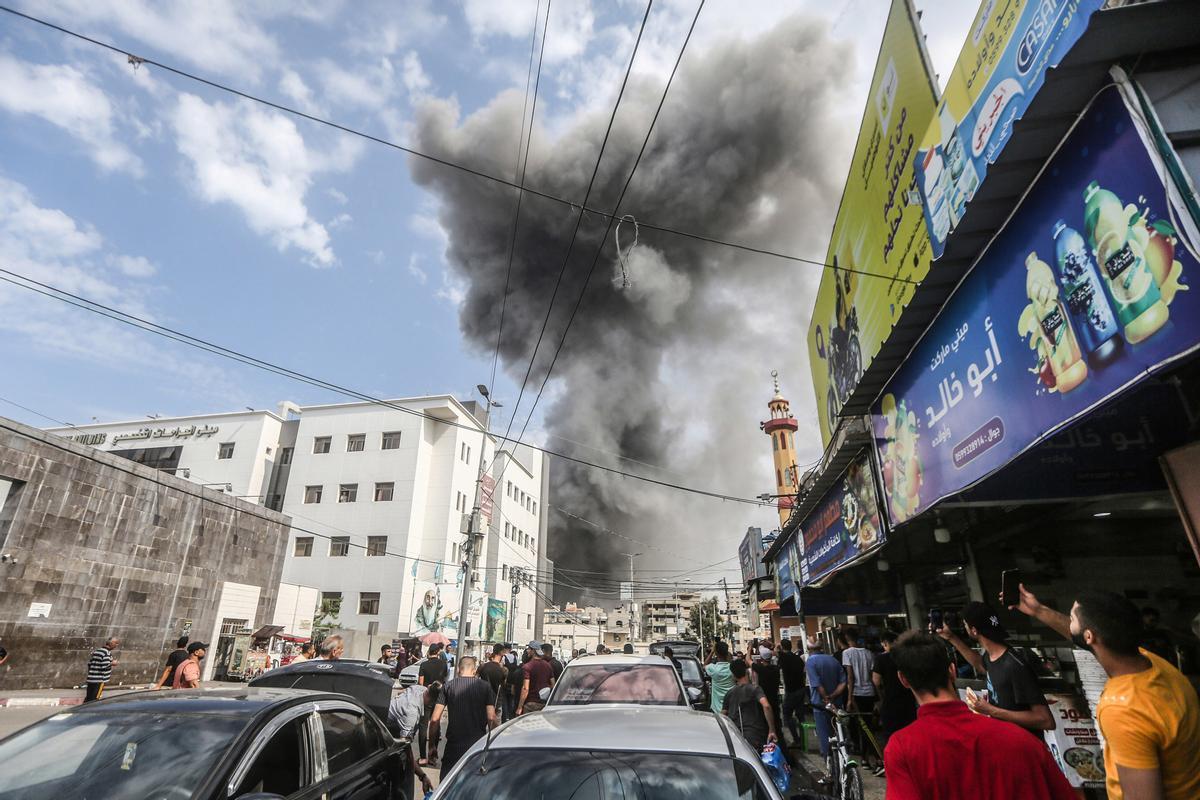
(14, 719)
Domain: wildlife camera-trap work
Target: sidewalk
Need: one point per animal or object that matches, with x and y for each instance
(29, 698)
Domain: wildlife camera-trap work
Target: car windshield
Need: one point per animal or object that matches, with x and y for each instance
(533, 774)
(584, 684)
(74, 756)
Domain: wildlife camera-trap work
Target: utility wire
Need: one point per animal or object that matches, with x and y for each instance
(48, 290)
(575, 232)
(136, 59)
(615, 215)
(512, 238)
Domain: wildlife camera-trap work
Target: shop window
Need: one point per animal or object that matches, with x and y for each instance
(321, 444)
(356, 443)
(285, 456)
(368, 602)
(339, 546)
(348, 493)
(391, 440)
(312, 494)
(304, 546)
(377, 545)
(225, 450)
(384, 492)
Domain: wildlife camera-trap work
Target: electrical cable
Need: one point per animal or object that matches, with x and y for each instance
(615, 215)
(147, 326)
(136, 59)
(524, 165)
(575, 232)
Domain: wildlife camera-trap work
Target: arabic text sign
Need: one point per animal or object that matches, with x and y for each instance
(1001, 67)
(878, 228)
(1081, 295)
(750, 554)
(180, 432)
(845, 525)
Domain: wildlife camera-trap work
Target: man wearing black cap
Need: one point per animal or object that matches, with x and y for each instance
(187, 674)
(1013, 692)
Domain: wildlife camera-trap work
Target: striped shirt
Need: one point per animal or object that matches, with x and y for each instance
(99, 668)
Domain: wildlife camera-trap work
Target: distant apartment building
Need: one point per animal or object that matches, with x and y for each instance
(380, 498)
(667, 617)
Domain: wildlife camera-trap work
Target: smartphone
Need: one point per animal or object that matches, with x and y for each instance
(936, 619)
(952, 620)
(1010, 587)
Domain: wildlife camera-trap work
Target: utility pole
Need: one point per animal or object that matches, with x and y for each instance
(728, 609)
(632, 605)
(475, 525)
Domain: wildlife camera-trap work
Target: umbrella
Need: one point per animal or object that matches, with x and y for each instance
(434, 638)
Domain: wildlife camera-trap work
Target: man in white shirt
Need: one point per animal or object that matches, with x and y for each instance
(860, 690)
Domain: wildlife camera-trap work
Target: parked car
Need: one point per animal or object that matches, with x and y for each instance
(369, 683)
(222, 744)
(643, 680)
(630, 752)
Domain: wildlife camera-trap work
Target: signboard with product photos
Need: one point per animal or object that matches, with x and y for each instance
(1080, 296)
(1002, 66)
(878, 229)
(846, 525)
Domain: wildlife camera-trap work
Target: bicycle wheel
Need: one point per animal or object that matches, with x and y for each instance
(852, 784)
(835, 772)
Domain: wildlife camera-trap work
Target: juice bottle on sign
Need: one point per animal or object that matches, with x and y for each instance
(1135, 296)
(1054, 327)
(1084, 296)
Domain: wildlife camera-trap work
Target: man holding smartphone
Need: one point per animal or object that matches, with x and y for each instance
(1013, 692)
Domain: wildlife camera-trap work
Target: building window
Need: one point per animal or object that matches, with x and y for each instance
(321, 444)
(384, 492)
(507, 527)
(348, 493)
(339, 546)
(356, 443)
(225, 450)
(331, 602)
(312, 494)
(391, 440)
(285, 456)
(376, 545)
(535, 509)
(368, 602)
(508, 490)
(504, 572)
(303, 547)
(529, 620)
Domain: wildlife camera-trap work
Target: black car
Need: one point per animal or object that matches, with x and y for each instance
(216, 745)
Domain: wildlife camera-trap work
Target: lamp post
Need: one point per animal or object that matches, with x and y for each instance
(475, 524)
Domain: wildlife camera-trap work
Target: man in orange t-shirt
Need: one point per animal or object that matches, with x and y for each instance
(1148, 713)
(187, 674)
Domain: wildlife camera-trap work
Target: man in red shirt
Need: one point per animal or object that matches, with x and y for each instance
(950, 753)
(538, 675)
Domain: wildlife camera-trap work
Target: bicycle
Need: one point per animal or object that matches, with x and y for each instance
(844, 773)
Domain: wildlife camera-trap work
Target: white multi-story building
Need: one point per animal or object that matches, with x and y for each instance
(380, 499)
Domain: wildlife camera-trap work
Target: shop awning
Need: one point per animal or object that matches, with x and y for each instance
(768, 605)
(267, 631)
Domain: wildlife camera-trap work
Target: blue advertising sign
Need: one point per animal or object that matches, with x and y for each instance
(844, 526)
(1081, 295)
(785, 568)
(1001, 67)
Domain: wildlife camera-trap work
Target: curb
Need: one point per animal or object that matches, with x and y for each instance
(31, 702)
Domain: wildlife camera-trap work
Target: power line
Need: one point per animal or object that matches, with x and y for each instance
(512, 239)
(575, 232)
(36, 413)
(136, 59)
(147, 326)
(616, 213)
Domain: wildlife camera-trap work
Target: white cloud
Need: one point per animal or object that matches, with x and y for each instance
(257, 161)
(497, 17)
(340, 220)
(134, 266)
(416, 80)
(339, 196)
(294, 87)
(224, 36)
(63, 96)
(376, 256)
(365, 85)
(414, 269)
(453, 289)
(572, 24)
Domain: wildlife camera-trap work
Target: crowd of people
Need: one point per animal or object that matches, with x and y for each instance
(929, 743)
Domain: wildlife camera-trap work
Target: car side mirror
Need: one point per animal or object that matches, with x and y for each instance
(693, 693)
(544, 693)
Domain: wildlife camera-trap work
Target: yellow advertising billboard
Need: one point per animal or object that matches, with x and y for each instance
(880, 245)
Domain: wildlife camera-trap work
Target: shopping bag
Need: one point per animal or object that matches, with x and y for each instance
(777, 766)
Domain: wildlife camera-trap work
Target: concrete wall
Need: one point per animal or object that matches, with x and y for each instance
(116, 548)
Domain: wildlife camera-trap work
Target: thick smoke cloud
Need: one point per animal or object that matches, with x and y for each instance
(674, 370)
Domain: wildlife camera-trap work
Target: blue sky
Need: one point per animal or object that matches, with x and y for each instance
(298, 244)
(314, 249)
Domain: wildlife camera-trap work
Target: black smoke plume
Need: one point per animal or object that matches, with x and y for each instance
(672, 371)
